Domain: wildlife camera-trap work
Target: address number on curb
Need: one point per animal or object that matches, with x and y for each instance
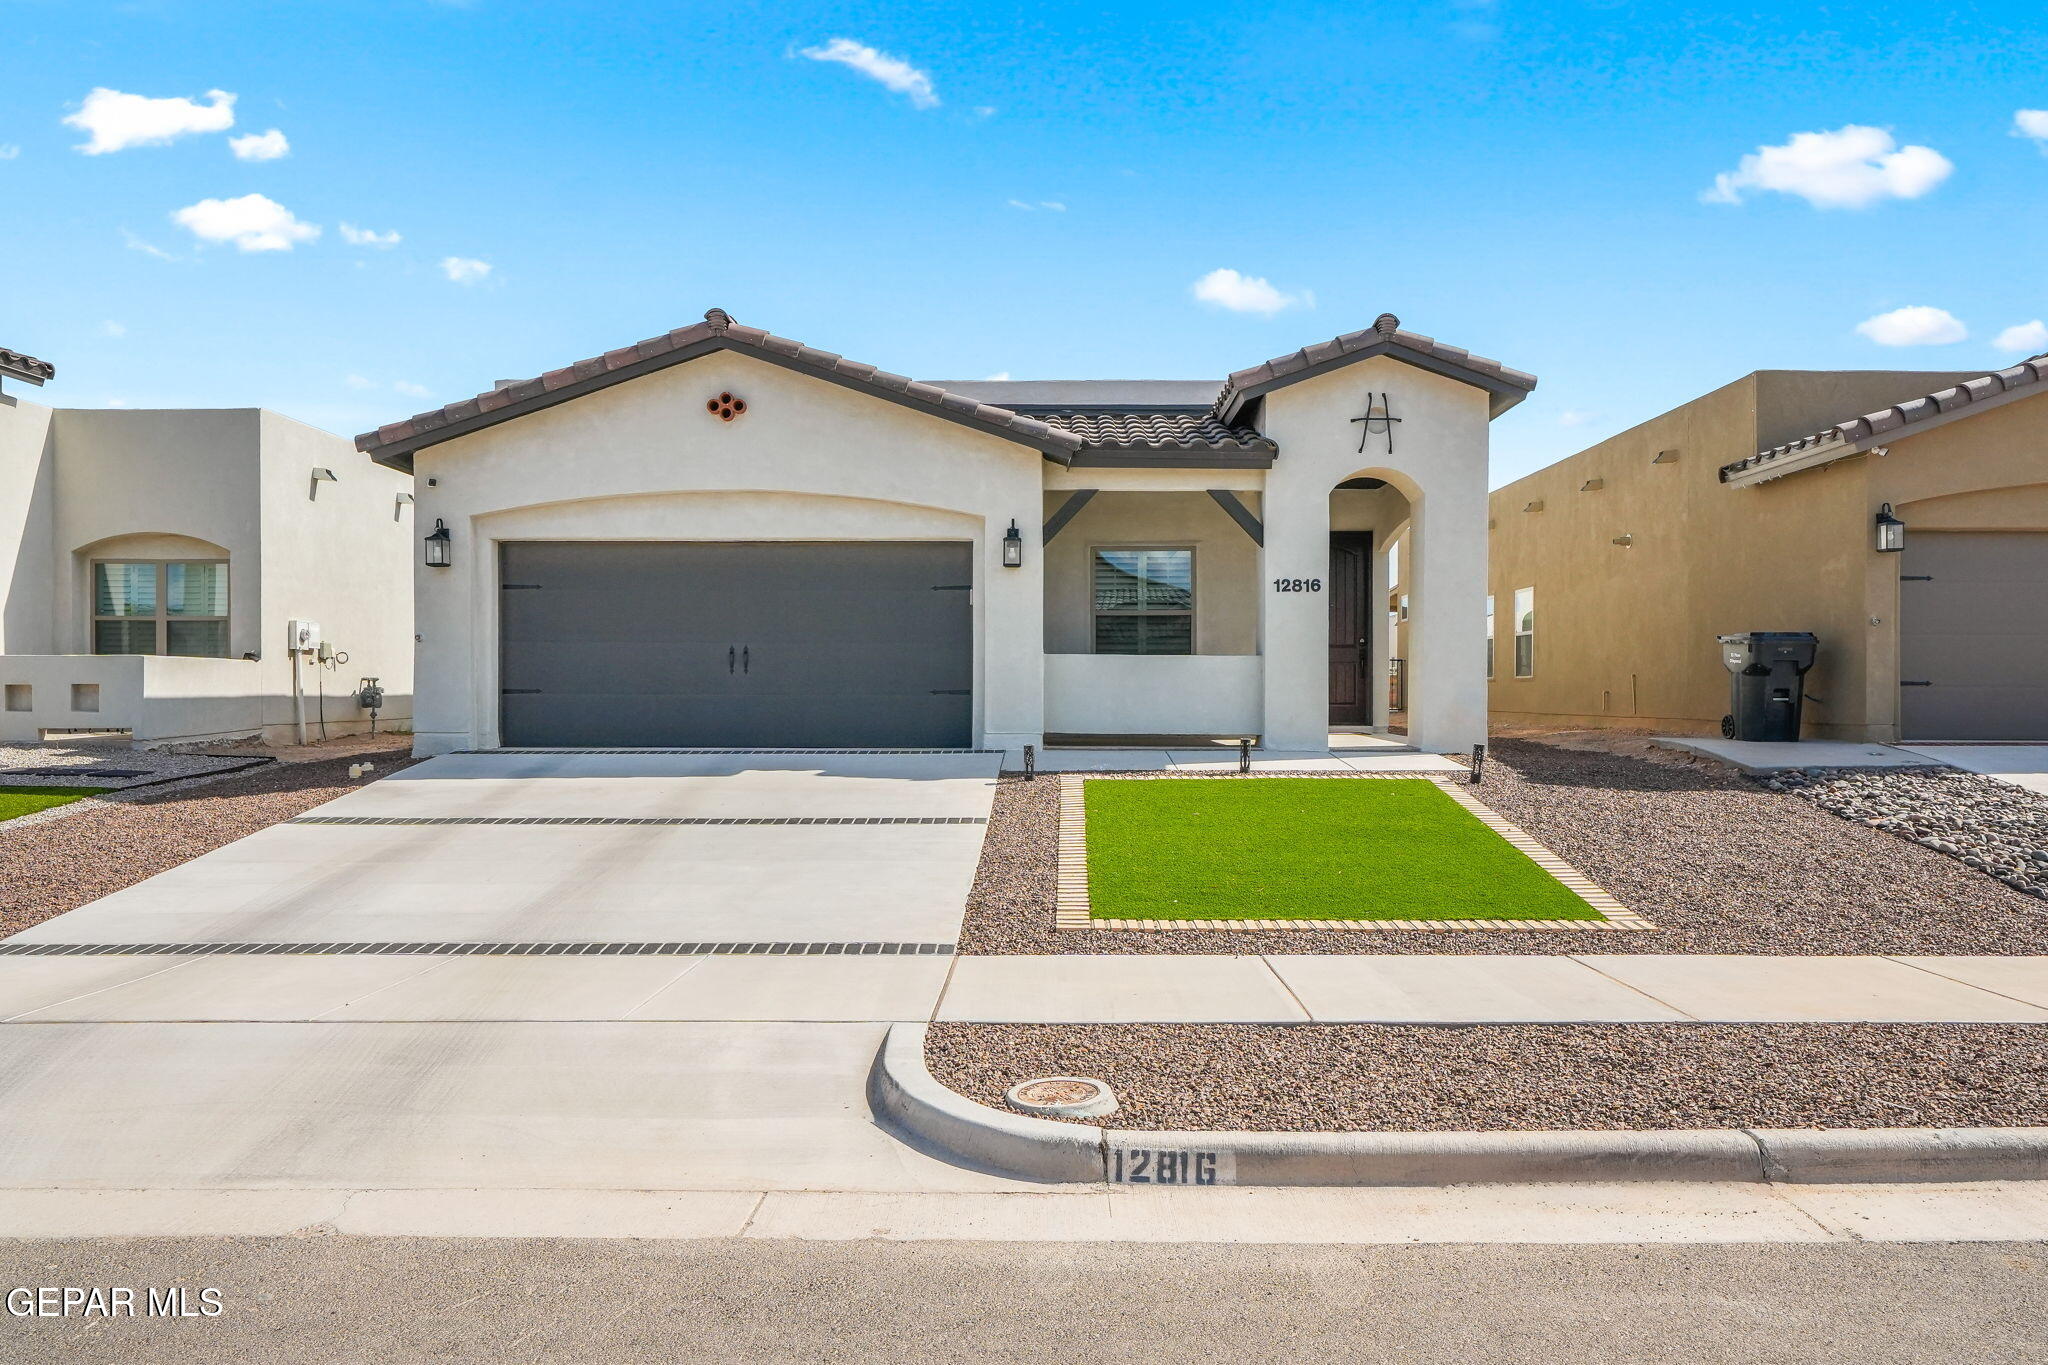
(1297, 585)
(1168, 1166)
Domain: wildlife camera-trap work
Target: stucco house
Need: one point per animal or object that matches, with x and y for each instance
(1761, 506)
(152, 563)
(723, 538)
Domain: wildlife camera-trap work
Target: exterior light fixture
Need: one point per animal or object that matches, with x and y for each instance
(440, 546)
(320, 476)
(1891, 532)
(1013, 548)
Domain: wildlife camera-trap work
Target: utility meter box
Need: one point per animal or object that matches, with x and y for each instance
(302, 634)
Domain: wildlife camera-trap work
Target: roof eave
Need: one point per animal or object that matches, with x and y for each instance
(1503, 394)
(1058, 447)
(1875, 432)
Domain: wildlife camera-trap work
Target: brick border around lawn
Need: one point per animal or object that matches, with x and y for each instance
(1074, 910)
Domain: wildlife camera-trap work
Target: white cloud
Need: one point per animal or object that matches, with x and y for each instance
(984, 111)
(136, 243)
(1850, 168)
(2031, 123)
(110, 328)
(465, 269)
(893, 72)
(116, 120)
(356, 236)
(1049, 205)
(252, 222)
(260, 146)
(1247, 293)
(999, 377)
(356, 381)
(2030, 337)
(1915, 326)
(9, 151)
(1576, 417)
(410, 389)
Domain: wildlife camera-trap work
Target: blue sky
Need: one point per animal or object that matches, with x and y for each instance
(1032, 190)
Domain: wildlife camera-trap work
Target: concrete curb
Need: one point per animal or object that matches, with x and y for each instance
(945, 1123)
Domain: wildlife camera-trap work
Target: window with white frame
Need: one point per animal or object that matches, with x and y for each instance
(160, 607)
(1489, 635)
(1143, 600)
(1525, 632)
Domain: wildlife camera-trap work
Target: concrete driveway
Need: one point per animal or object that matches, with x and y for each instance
(708, 1069)
(2023, 765)
(625, 848)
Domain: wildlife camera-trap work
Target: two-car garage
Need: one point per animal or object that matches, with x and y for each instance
(755, 644)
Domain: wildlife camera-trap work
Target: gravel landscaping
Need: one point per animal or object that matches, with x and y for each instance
(1720, 863)
(1405, 1078)
(60, 860)
(89, 758)
(1993, 827)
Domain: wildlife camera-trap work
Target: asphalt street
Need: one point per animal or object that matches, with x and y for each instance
(389, 1299)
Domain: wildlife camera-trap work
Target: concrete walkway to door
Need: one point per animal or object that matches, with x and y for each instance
(614, 848)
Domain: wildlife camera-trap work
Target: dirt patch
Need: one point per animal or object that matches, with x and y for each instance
(1718, 862)
(1401, 1078)
(55, 865)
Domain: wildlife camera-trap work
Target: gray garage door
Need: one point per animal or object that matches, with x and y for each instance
(745, 645)
(1973, 635)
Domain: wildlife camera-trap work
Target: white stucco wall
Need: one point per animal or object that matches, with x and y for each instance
(27, 477)
(343, 557)
(1440, 466)
(643, 460)
(1135, 694)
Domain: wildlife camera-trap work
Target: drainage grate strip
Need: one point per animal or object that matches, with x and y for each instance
(637, 820)
(548, 949)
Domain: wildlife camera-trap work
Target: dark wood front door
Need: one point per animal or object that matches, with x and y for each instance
(1350, 628)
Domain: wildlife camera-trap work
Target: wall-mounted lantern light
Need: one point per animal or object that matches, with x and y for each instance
(1891, 532)
(1013, 548)
(440, 546)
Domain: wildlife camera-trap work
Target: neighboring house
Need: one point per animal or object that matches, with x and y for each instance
(722, 538)
(151, 562)
(1755, 507)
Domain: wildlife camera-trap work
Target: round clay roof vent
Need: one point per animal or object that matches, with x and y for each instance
(1386, 324)
(1067, 1097)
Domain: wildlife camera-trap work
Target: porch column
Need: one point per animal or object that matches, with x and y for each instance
(1294, 627)
(1447, 618)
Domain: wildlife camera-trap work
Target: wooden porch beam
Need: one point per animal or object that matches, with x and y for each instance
(1066, 512)
(1240, 514)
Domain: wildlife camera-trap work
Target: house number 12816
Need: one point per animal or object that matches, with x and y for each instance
(1297, 585)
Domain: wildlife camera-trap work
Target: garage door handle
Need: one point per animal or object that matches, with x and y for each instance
(746, 662)
(729, 656)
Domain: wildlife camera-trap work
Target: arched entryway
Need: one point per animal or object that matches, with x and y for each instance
(1370, 597)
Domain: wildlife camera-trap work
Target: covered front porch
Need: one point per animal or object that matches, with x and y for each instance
(1158, 587)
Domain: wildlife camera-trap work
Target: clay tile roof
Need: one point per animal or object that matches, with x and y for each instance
(394, 443)
(15, 365)
(1855, 430)
(1384, 337)
(1165, 431)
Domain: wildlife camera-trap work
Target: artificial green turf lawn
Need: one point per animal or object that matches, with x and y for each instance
(26, 800)
(1305, 848)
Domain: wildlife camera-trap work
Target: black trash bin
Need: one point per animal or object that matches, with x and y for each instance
(1767, 666)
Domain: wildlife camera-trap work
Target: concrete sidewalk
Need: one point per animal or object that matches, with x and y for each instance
(1584, 988)
(1109, 988)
